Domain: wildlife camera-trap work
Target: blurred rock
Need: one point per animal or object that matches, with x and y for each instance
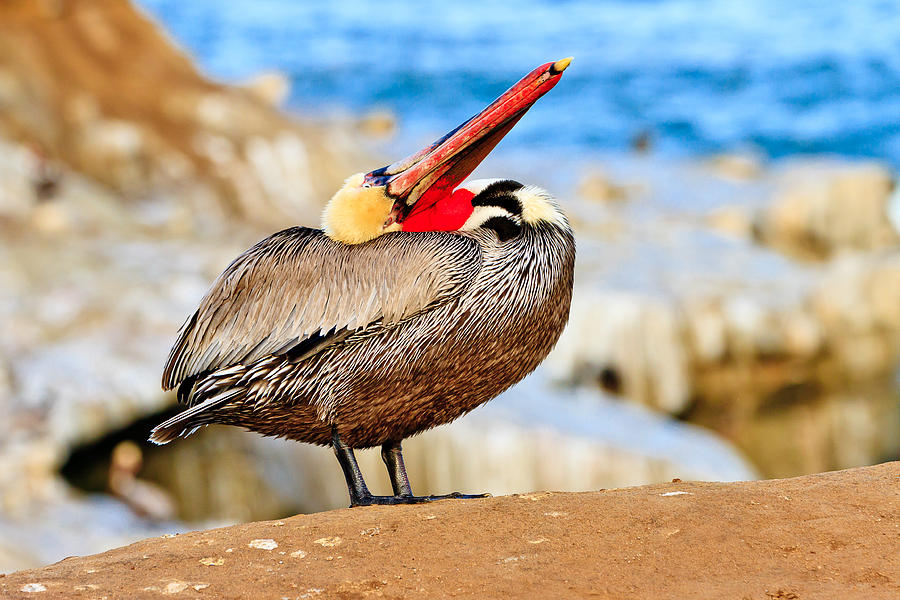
(736, 166)
(92, 294)
(143, 497)
(805, 429)
(142, 132)
(271, 87)
(732, 220)
(725, 357)
(820, 210)
(720, 330)
(597, 186)
(378, 124)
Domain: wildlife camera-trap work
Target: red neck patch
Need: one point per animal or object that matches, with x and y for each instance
(447, 214)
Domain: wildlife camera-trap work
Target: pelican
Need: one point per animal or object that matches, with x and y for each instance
(421, 298)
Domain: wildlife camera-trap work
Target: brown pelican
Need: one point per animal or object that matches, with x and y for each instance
(421, 298)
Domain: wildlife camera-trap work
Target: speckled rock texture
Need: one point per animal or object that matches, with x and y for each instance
(824, 536)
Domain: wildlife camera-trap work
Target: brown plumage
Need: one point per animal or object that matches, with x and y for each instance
(420, 300)
(301, 333)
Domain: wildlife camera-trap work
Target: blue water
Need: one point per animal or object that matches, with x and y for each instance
(780, 77)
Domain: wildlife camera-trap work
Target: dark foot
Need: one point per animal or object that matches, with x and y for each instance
(392, 455)
(371, 500)
(458, 495)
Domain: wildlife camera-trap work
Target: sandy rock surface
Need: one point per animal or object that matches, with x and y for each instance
(833, 535)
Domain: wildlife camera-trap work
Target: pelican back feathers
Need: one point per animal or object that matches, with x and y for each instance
(298, 288)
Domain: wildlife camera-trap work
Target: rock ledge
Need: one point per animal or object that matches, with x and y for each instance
(833, 535)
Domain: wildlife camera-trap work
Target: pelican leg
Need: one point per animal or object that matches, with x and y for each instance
(356, 485)
(392, 455)
(393, 458)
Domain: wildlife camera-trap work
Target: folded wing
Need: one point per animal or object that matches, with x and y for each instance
(298, 291)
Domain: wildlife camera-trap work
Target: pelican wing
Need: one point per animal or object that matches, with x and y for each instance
(299, 291)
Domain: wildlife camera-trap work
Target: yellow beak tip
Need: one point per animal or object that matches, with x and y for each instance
(560, 65)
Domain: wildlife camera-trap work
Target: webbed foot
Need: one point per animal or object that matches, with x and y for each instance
(409, 499)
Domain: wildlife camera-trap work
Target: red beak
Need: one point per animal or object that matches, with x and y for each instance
(435, 171)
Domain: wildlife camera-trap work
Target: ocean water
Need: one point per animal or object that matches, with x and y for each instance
(699, 76)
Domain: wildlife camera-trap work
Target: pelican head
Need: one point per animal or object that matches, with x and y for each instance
(423, 192)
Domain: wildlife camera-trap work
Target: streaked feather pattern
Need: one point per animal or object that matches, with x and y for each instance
(391, 337)
(299, 283)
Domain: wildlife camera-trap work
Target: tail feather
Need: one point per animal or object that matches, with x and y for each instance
(189, 421)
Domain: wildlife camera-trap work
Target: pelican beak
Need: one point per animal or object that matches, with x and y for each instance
(434, 172)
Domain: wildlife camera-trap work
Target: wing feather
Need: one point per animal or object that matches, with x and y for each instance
(297, 291)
